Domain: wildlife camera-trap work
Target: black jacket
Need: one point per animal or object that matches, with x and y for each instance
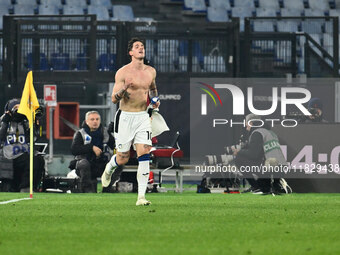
(79, 148)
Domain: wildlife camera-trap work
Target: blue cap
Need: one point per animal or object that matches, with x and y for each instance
(315, 103)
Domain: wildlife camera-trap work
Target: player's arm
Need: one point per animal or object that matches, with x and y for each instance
(153, 88)
(120, 88)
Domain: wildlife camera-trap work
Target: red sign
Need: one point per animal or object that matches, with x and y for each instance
(50, 95)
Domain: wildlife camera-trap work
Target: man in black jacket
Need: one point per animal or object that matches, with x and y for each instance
(89, 148)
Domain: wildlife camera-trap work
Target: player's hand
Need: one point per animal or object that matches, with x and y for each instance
(155, 102)
(97, 151)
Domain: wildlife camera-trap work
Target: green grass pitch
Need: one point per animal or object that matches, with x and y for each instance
(187, 223)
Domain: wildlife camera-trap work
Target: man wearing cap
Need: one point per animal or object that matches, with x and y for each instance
(315, 107)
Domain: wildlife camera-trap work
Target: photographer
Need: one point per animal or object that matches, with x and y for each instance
(315, 107)
(14, 137)
(255, 154)
(88, 147)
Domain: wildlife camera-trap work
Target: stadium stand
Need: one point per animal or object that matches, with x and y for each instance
(123, 12)
(217, 14)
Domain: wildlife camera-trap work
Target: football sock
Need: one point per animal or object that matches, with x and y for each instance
(143, 174)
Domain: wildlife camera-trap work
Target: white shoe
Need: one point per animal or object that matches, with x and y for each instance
(284, 185)
(143, 201)
(106, 178)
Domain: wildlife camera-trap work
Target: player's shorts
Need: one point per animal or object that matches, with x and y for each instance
(132, 128)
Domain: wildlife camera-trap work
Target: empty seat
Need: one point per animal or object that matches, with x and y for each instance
(293, 4)
(290, 12)
(220, 4)
(48, 10)
(287, 26)
(312, 27)
(123, 12)
(195, 5)
(322, 5)
(241, 12)
(266, 12)
(81, 3)
(244, 3)
(314, 13)
(22, 2)
(101, 12)
(60, 61)
(107, 62)
(106, 3)
(272, 4)
(25, 9)
(263, 26)
(73, 10)
(81, 62)
(43, 61)
(217, 15)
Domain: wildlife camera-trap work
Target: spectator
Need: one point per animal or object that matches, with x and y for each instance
(89, 146)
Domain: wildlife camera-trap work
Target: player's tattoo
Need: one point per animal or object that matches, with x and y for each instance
(124, 155)
(122, 93)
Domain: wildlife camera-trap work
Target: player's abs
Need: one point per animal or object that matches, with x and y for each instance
(133, 104)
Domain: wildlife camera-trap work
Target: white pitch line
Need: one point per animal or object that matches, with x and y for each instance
(14, 200)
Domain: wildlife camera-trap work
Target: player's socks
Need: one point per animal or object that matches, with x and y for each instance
(143, 174)
(109, 169)
(111, 166)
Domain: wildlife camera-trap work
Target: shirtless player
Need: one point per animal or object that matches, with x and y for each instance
(134, 83)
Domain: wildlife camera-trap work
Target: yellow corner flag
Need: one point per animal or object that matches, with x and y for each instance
(28, 104)
(29, 101)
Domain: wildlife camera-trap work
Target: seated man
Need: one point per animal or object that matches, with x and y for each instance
(14, 138)
(88, 147)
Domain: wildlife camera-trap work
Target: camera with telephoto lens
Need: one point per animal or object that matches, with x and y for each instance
(300, 117)
(227, 157)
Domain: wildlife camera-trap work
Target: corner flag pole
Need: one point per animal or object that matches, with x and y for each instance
(28, 104)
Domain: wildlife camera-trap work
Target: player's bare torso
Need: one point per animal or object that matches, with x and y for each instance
(140, 80)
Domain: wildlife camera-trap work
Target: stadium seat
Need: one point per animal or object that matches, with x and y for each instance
(50, 2)
(107, 62)
(312, 27)
(219, 4)
(217, 15)
(244, 3)
(73, 10)
(242, 12)
(314, 13)
(290, 13)
(195, 5)
(48, 10)
(81, 62)
(287, 26)
(43, 61)
(101, 12)
(123, 12)
(60, 61)
(265, 12)
(25, 9)
(271, 4)
(106, 3)
(263, 26)
(22, 2)
(293, 4)
(81, 3)
(322, 5)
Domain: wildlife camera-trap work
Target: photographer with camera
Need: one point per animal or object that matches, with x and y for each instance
(89, 148)
(256, 154)
(14, 137)
(315, 107)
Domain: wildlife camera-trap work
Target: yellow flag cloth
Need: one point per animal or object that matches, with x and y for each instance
(29, 101)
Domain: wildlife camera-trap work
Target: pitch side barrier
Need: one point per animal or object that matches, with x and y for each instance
(275, 46)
